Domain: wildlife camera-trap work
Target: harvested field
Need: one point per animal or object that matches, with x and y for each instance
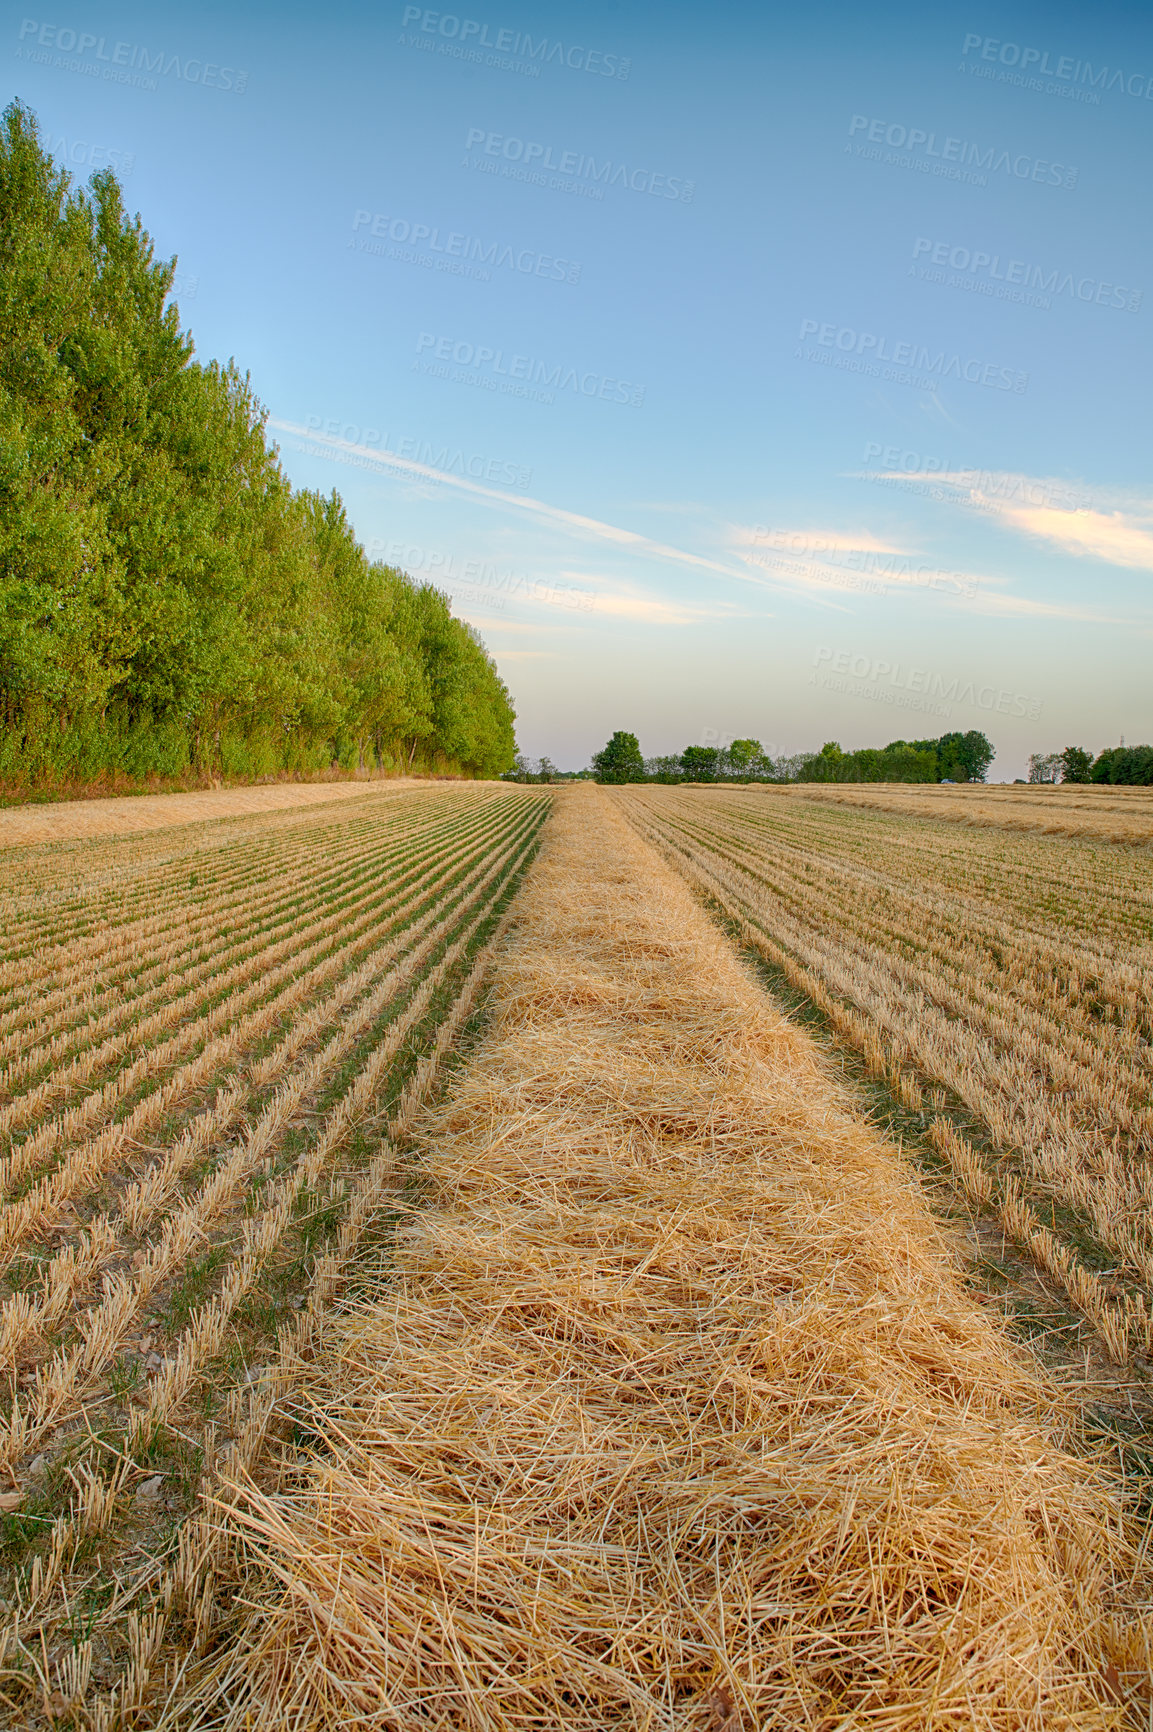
(211, 1041)
(1002, 985)
(670, 1410)
(1101, 813)
(84, 820)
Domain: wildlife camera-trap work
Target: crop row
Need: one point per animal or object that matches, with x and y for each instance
(182, 1207)
(933, 956)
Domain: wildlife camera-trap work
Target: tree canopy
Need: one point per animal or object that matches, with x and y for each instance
(954, 757)
(1124, 766)
(699, 763)
(620, 760)
(1076, 764)
(168, 602)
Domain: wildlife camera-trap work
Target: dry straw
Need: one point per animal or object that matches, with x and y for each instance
(675, 1413)
(67, 820)
(1105, 813)
(385, 924)
(1015, 972)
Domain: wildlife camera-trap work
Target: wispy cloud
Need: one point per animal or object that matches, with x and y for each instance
(652, 610)
(808, 540)
(1021, 607)
(619, 599)
(1117, 537)
(823, 563)
(574, 521)
(1117, 528)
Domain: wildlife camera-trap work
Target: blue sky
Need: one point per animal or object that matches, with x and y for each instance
(771, 371)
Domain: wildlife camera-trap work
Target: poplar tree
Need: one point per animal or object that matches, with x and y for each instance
(168, 602)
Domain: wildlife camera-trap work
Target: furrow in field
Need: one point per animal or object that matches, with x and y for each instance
(1073, 1116)
(22, 1320)
(339, 901)
(1092, 1090)
(159, 982)
(916, 915)
(335, 939)
(414, 1013)
(163, 890)
(126, 949)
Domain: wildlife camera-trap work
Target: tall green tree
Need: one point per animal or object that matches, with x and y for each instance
(1076, 764)
(1124, 766)
(699, 763)
(746, 757)
(168, 602)
(965, 757)
(620, 760)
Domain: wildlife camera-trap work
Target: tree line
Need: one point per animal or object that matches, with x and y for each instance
(1120, 766)
(953, 757)
(169, 603)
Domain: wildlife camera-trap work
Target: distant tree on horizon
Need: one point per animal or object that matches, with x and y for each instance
(965, 757)
(1044, 767)
(699, 763)
(1076, 765)
(620, 760)
(746, 757)
(1124, 766)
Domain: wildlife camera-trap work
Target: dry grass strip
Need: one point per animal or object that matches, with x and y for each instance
(675, 1414)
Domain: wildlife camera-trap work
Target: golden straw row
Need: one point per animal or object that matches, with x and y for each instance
(671, 1411)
